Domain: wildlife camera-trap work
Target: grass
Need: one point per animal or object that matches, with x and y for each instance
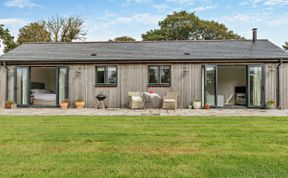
(67, 146)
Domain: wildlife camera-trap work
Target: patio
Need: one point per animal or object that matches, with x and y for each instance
(156, 112)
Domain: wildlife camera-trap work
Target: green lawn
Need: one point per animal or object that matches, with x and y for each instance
(143, 146)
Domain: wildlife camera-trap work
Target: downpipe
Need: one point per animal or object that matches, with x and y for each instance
(278, 84)
(6, 82)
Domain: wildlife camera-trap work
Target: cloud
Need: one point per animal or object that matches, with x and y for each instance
(204, 8)
(181, 2)
(112, 25)
(12, 21)
(271, 2)
(21, 3)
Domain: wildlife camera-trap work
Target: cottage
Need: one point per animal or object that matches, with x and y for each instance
(228, 73)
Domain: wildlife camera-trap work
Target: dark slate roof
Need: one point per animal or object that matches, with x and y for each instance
(134, 51)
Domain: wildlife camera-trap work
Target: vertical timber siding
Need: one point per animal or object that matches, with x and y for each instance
(284, 86)
(186, 80)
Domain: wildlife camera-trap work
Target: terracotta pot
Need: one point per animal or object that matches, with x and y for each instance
(206, 106)
(79, 104)
(8, 105)
(64, 105)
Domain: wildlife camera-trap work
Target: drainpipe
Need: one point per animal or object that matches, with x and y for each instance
(6, 87)
(278, 83)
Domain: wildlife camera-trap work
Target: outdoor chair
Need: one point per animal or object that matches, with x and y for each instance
(135, 100)
(170, 100)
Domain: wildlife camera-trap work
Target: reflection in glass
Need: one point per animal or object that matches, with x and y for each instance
(100, 75)
(153, 74)
(112, 75)
(63, 72)
(255, 79)
(22, 86)
(210, 85)
(165, 74)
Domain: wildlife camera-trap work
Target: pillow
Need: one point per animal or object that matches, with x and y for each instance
(136, 98)
(40, 91)
(36, 90)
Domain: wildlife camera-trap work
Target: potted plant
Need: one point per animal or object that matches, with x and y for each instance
(206, 106)
(64, 104)
(196, 104)
(79, 104)
(8, 104)
(270, 104)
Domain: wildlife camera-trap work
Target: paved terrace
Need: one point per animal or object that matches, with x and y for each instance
(157, 112)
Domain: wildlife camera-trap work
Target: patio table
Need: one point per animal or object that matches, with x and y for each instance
(151, 99)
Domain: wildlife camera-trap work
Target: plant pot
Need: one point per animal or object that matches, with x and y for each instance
(206, 106)
(270, 106)
(189, 106)
(13, 106)
(79, 104)
(64, 105)
(196, 104)
(8, 105)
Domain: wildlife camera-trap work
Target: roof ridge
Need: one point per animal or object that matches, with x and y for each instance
(188, 41)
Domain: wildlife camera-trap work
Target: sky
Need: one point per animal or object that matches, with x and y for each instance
(107, 19)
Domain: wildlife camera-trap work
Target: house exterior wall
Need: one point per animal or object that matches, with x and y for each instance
(284, 86)
(186, 79)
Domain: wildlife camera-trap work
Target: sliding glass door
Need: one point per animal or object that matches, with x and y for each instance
(256, 81)
(22, 86)
(210, 84)
(62, 84)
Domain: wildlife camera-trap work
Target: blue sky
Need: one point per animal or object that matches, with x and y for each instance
(106, 19)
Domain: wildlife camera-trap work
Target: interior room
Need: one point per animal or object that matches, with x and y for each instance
(43, 86)
(232, 86)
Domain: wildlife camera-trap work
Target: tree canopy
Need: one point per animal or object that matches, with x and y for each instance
(33, 32)
(187, 26)
(124, 39)
(285, 46)
(7, 39)
(66, 29)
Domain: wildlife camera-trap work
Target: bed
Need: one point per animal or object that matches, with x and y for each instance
(40, 96)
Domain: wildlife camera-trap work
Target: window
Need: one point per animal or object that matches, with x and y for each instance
(106, 75)
(159, 75)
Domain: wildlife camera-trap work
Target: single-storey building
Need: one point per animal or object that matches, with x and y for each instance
(222, 73)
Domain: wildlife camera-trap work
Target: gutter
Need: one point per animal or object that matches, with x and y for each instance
(278, 83)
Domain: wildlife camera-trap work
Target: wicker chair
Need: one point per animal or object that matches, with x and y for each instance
(135, 100)
(170, 100)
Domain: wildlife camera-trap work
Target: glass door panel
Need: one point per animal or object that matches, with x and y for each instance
(210, 80)
(255, 86)
(62, 84)
(22, 86)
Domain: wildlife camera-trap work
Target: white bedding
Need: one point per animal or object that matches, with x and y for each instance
(44, 96)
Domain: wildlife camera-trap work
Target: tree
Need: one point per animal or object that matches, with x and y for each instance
(7, 39)
(187, 26)
(124, 39)
(66, 29)
(34, 32)
(285, 46)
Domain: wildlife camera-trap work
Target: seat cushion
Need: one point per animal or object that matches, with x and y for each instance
(169, 100)
(136, 98)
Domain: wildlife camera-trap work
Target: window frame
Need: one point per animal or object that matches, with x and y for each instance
(160, 84)
(106, 84)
